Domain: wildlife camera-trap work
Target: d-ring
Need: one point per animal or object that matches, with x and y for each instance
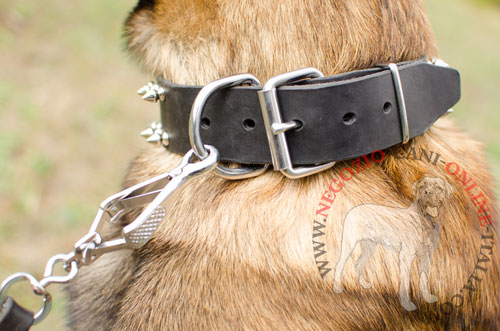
(195, 123)
(37, 288)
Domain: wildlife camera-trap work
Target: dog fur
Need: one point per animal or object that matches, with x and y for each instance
(411, 232)
(238, 255)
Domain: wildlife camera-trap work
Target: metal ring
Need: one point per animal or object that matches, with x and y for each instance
(195, 123)
(37, 288)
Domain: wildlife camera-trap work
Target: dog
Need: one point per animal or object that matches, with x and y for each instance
(237, 255)
(411, 232)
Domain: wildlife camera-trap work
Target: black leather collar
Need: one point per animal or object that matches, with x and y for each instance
(342, 116)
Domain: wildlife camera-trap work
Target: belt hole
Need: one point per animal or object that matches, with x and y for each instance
(349, 118)
(300, 125)
(387, 107)
(205, 122)
(249, 124)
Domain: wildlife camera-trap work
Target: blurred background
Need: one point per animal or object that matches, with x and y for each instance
(70, 117)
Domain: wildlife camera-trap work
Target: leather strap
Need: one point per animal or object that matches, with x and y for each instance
(14, 317)
(342, 116)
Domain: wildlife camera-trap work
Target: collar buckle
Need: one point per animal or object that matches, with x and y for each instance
(276, 128)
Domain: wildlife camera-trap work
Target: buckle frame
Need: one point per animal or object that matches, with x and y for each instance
(276, 128)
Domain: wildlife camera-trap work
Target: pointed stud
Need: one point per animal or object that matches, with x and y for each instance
(156, 126)
(440, 63)
(155, 135)
(147, 133)
(151, 96)
(145, 88)
(448, 112)
(152, 92)
(154, 139)
(164, 139)
(161, 93)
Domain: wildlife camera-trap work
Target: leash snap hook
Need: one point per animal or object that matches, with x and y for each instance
(138, 233)
(151, 193)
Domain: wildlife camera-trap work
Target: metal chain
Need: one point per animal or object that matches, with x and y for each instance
(150, 193)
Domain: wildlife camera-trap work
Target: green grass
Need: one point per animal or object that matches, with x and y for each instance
(468, 36)
(69, 123)
(69, 116)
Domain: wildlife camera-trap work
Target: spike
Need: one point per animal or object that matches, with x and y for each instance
(145, 88)
(147, 133)
(448, 112)
(156, 126)
(142, 90)
(161, 93)
(151, 96)
(440, 63)
(154, 139)
(164, 139)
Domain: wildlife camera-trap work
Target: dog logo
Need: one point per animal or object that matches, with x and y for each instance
(412, 232)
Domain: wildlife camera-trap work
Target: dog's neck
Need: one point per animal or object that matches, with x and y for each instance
(195, 42)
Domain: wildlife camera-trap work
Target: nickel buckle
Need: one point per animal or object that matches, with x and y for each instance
(276, 128)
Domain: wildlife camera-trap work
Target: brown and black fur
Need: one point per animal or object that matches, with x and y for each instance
(238, 255)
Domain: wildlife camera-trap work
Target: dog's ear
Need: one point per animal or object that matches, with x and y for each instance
(414, 187)
(449, 189)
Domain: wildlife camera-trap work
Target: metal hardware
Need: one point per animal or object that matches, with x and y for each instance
(37, 288)
(147, 132)
(396, 79)
(276, 128)
(49, 278)
(439, 63)
(139, 237)
(151, 193)
(152, 92)
(155, 135)
(145, 88)
(195, 123)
